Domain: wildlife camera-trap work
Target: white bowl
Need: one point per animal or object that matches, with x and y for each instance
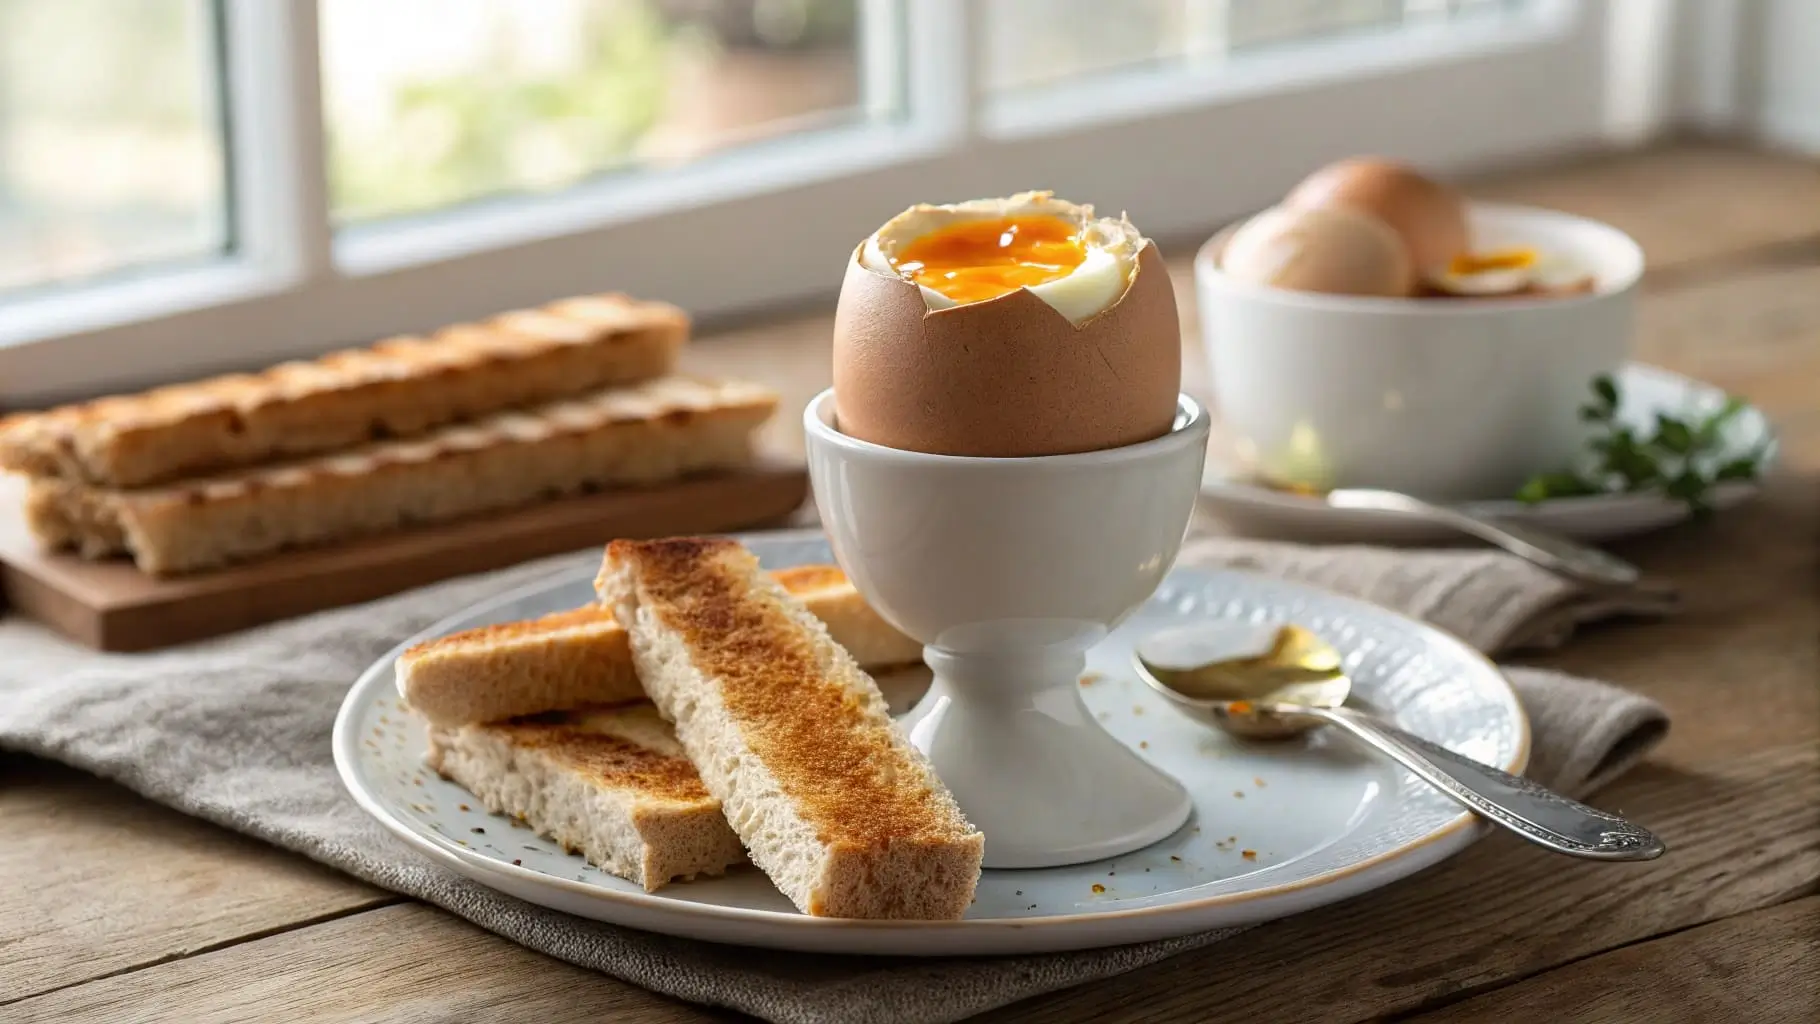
(1451, 400)
(1008, 570)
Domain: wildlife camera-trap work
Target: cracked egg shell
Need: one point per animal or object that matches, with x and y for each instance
(1009, 376)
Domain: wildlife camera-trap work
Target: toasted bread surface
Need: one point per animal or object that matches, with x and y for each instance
(831, 800)
(574, 658)
(628, 746)
(807, 579)
(650, 432)
(566, 660)
(853, 623)
(395, 388)
(610, 782)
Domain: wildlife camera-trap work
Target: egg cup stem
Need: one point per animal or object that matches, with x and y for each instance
(1031, 766)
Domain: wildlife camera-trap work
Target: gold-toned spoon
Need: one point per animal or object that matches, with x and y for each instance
(1269, 681)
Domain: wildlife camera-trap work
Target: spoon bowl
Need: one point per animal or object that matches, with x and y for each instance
(1272, 681)
(1245, 678)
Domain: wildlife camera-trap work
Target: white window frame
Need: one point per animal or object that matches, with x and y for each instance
(1183, 152)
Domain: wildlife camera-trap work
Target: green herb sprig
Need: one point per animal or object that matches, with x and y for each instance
(1682, 459)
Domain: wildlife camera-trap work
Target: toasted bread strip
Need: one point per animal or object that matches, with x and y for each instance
(654, 431)
(576, 658)
(831, 801)
(831, 597)
(610, 782)
(561, 661)
(396, 388)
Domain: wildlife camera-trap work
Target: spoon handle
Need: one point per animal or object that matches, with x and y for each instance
(1553, 552)
(1537, 814)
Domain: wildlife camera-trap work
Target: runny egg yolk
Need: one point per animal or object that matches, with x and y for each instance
(1491, 262)
(982, 259)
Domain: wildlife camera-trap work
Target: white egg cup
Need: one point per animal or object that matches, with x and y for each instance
(1008, 570)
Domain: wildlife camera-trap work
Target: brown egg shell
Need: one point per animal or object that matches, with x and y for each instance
(1008, 377)
(1430, 215)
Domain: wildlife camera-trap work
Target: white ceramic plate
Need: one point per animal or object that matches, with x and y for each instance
(1277, 829)
(1253, 508)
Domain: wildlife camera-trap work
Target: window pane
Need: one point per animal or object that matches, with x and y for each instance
(110, 145)
(435, 102)
(1035, 42)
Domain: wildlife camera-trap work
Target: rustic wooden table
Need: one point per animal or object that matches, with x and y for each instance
(113, 908)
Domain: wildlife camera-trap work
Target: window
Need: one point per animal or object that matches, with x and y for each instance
(1030, 43)
(191, 186)
(432, 103)
(114, 161)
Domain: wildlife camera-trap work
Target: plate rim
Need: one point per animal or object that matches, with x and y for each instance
(1220, 484)
(1443, 841)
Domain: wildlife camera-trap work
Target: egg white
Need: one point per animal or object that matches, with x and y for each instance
(1105, 271)
(1549, 272)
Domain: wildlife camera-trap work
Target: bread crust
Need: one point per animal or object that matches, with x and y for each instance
(647, 433)
(398, 387)
(579, 657)
(844, 815)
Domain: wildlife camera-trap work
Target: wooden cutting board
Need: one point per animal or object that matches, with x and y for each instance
(111, 606)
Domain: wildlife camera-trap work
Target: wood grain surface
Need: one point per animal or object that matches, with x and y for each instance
(115, 910)
(428, 966)
(111, 606)
(1704, 975)
(96, 884)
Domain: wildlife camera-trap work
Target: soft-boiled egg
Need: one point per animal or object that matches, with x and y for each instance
(1430, 216)
(1011, 327)
(1325, 249)
(1506, 273)
(978, 250)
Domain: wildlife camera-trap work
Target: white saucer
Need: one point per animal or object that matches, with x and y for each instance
(1276, 829)
(1253, 508)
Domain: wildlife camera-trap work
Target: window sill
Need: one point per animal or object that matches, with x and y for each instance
(147, 296)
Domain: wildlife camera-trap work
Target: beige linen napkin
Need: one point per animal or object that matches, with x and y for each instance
(1491, 600)
(236, 731)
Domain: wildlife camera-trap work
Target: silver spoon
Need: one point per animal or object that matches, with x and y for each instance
(1553, 552)
(1270, 682)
